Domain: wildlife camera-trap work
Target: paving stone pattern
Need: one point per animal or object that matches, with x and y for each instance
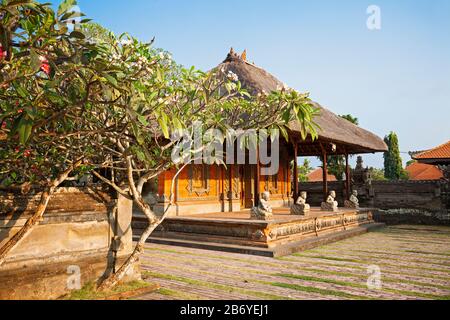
(414, 262)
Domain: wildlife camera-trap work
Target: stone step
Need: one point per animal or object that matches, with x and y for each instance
(277, 251)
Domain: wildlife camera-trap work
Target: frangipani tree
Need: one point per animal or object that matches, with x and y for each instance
(82, 100)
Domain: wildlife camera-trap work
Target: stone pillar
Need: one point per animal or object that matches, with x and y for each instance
(121, 225)
(122, 237)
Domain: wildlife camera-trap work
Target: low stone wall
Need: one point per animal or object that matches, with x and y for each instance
(417, 202)
(410, 216)
(76, 236)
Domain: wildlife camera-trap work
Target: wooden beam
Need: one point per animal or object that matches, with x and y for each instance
(295, 180)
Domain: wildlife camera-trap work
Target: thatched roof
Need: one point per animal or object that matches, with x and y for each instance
(348, 137)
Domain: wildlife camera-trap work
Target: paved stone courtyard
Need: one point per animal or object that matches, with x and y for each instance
(414, 263)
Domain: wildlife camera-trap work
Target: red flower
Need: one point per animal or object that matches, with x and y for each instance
(17, 150)
(4, 125)
(45, 66)
(27, 153)
(20, 111)
(3, 53)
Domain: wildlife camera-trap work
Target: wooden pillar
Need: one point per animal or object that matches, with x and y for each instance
(257, 179)
(222, 187)
(325, 172)
(347, 176)
(295, 180)
(231, 168)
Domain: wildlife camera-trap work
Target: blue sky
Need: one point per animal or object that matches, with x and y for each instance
(396, 78)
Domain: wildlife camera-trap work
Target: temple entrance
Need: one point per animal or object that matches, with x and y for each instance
(246, 181)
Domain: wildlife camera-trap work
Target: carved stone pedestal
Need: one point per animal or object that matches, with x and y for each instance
(300, 209)
(259, 214)
(329, 207)
(350, 205)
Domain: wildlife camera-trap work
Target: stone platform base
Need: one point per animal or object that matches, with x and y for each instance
(235, 232)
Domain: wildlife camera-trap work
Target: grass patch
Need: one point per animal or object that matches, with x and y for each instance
(314, 279)
(209, 256)
(370, 255)
(321, 263)
(362, 262)
(361, 278)
(212, 264)
(326, 258)
(317, 290)
(88, 292)
(418, 294)
(361, 286)
(385, 279)
(215, 286)
(392, 272)
(177, 294)
(429, 253)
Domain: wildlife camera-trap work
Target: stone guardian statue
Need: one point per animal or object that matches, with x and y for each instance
(353, 203)
(331, 204)
(301, 207)
(264, 210)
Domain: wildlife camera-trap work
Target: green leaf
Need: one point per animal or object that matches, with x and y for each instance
(71, 15)
(34, 59)
(65, 6)
(111, 79)
(142, 120)
(284, 133)
(22, 92)
(163, 122)
(140, 155)
(137, 134)
(77, 35)
(24, 130)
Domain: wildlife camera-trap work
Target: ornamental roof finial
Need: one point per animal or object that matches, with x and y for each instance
(244, 55)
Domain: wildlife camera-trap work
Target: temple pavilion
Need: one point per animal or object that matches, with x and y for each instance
(204, 189)
(212, 205)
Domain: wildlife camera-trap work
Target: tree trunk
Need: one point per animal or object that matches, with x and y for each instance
(114, 279)
(40, 210)
(153, 223)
